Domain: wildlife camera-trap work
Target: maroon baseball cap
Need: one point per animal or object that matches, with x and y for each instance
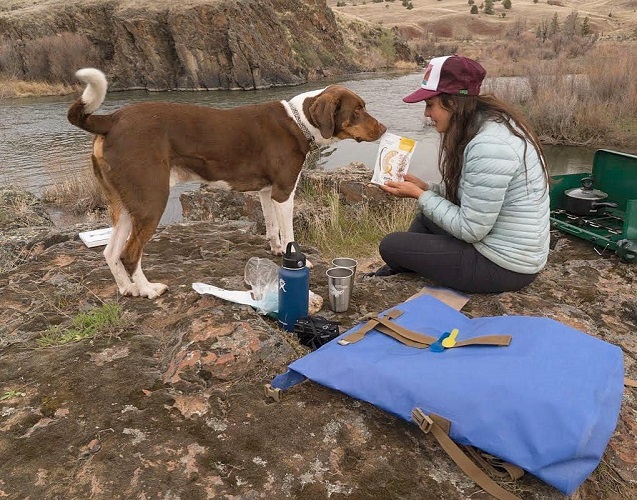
(455, 75)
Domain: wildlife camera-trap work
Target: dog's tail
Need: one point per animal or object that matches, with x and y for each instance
(80, 112)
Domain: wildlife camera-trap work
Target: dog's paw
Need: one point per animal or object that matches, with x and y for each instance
(153, 290)
(277, 249)
(129, 290)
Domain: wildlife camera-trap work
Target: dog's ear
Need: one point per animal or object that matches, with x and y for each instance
(322, 113)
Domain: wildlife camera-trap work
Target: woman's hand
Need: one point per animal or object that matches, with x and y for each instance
(411, 187)
(421, 184)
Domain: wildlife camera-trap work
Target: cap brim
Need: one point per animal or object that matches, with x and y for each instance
(420, 95)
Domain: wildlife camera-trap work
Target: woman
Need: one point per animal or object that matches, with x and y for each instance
(485, 227)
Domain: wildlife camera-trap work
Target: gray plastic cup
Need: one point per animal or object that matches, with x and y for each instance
(339, 284)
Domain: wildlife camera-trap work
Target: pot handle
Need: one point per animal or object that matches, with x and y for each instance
(598, 204)
(587, 183)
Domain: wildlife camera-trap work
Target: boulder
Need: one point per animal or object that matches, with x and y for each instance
(170, 404)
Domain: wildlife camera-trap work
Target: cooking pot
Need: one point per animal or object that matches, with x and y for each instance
(585, 200)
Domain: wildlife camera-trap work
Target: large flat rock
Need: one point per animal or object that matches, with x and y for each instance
(172, 405)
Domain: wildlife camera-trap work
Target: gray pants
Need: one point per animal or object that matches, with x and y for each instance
(431, 252)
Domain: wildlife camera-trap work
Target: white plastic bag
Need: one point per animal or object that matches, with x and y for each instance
(262, 275)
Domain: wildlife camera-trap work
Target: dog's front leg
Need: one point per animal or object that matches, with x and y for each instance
(272, 225)
(285, 216)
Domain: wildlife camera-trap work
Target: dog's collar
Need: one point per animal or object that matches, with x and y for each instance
(314, 153)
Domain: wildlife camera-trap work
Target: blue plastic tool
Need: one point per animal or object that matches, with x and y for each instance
(437, 345)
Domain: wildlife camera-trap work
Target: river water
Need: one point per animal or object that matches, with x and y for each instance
(40, 148)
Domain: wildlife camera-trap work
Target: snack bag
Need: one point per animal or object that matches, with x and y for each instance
(394, 155)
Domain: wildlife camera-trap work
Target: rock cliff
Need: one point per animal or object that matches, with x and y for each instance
(193, 44)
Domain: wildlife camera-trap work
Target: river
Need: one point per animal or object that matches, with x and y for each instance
(39, 147)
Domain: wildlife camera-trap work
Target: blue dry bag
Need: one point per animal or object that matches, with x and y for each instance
(547, 402)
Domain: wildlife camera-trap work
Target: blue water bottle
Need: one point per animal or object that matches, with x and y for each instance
(294, 287)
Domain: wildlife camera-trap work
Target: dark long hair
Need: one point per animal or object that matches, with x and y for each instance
(468, 113)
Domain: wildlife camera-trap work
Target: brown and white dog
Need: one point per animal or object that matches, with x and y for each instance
(142, 149)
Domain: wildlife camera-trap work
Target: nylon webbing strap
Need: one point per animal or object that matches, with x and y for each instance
(630, 382)
(427, 425)
(494, 465)
(412, 338)
(501, 340)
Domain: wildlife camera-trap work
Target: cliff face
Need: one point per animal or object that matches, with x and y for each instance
(240, 44)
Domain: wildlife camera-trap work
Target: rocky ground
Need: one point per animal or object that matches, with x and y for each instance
(171, 404)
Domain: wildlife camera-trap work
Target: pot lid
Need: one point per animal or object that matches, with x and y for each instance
(586, 192)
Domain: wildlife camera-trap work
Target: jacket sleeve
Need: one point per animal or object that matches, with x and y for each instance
(438, 188)
(489, 167)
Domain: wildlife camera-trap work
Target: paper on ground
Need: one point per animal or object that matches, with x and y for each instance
(392, 160)
(97, 237)
(237, 296)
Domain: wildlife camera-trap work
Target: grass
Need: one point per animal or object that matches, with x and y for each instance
(12, 394)
(12, 87)
(102, 320)
(592, 102)
(337, 228)
(81, 192)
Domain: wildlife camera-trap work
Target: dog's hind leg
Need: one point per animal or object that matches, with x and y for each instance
(121, 229)
(143, 225)
(272, 232)
(121, 222)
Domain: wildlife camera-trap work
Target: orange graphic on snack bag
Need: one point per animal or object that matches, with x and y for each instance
(387, 166)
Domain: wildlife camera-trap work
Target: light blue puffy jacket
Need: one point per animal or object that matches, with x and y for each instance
(504, 210)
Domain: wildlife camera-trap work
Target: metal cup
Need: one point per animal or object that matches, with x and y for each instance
(348, 263)
(339, 284)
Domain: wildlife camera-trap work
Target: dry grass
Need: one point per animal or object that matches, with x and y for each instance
(591, 102)
(12, 87)
(81, 193)
(337, 228)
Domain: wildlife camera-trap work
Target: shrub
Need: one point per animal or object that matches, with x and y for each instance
(52, 59)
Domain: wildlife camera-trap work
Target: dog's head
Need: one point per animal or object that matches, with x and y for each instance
(339, 112)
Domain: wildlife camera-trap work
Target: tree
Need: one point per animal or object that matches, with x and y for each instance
(474, 9)
(488, 7)
(586, 27)
(554, 26)
(506, 4)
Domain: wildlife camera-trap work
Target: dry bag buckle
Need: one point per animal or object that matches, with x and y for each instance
(271, 392)
(424, 421)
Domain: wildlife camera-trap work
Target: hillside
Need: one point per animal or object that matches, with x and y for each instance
(616, 19)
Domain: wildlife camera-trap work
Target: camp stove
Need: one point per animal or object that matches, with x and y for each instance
(615, 229)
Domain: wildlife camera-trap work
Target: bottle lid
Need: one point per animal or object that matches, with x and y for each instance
(293, 258)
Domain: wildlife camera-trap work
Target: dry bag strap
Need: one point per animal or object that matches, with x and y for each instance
(630, 382)
(493, 465)
(427, 424)
(501, 340)
(388, 327)
(414, 339)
